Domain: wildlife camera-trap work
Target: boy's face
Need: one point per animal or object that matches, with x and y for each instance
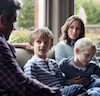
(84, 57)
(41, 47)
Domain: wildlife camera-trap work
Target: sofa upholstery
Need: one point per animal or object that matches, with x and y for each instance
(23, 55)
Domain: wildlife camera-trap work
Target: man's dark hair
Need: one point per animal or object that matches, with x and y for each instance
(9, 7)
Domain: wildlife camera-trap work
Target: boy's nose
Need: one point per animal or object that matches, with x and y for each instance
(42, 44)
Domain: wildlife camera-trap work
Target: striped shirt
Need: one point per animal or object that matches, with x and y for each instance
(46, 72)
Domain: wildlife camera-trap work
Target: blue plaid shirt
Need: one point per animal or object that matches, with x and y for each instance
(13, 82)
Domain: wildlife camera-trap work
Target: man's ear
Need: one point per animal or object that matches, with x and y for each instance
(2, 19)
(77, 50)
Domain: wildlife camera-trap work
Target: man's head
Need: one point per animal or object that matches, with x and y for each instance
(8, 16)
(9, 7)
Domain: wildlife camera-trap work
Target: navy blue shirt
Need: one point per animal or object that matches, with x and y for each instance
(70, 71)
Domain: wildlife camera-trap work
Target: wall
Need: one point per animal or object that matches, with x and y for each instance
(92, 28)
(36, 13)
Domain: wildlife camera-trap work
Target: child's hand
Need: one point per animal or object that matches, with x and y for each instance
(78, 80)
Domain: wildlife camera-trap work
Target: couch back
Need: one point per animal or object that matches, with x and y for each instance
(23, 55)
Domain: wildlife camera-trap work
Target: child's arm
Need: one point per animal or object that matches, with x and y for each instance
(30, 70)
(59, 74)
(71, 77)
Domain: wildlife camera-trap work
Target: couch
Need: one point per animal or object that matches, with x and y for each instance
(23, 55)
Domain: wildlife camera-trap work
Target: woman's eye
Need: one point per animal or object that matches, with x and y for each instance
(71, 27)
(78, 28)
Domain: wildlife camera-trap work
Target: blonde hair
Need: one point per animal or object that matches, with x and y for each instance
(85, 44)
(65, 27)
(40, 32)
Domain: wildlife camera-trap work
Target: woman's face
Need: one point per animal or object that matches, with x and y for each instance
(74, 30)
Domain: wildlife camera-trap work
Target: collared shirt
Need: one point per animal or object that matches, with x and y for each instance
(13, 82)
(46, 71)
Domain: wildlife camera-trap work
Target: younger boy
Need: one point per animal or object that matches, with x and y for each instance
(42, 68)
(81, 64)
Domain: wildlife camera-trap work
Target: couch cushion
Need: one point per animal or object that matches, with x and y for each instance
(23, 56)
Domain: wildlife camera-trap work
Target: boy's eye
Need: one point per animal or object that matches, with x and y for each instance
(87, 55)
(38, 41)
(46, 42)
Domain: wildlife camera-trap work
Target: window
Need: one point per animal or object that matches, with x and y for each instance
(89, 11)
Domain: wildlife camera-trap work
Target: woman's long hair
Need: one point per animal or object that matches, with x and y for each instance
(65, 27)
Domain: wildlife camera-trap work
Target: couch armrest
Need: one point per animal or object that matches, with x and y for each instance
(23, 55)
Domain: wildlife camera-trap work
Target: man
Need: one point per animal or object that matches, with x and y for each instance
(13, 82)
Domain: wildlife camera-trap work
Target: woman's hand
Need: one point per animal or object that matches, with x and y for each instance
(22, 45)
(78, 80)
